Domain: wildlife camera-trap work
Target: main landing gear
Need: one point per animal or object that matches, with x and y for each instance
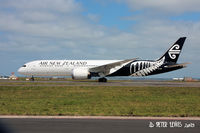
(32, 78)
(102, 79)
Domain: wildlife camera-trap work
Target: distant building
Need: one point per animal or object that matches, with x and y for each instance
(13, 77)
(178, 79)
(188, 79)
(4, 77)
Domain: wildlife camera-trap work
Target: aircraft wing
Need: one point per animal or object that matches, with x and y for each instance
(108, 69)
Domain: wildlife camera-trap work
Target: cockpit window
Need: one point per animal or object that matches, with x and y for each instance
(24, 66)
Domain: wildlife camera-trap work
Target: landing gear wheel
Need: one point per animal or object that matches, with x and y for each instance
(32, 78)
(102, 80)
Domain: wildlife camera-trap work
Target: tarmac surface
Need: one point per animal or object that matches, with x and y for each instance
(94, 83)
(99, 125)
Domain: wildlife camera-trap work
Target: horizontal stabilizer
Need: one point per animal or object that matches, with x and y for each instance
(178, 65)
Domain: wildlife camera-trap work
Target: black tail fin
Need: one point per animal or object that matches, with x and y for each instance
(174, 51)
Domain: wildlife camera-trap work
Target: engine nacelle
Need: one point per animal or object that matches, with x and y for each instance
(81, 73)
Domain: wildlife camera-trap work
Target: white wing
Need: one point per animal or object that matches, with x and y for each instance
(108, 69)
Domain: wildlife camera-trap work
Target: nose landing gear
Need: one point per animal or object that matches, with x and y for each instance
(102, 79)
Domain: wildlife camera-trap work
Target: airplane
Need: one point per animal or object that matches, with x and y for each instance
(86, 69)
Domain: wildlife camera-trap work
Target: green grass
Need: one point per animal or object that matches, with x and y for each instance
(100, 100)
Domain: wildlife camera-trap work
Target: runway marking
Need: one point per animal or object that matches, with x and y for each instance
(97, 117)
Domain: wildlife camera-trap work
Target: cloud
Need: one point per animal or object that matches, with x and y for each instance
(164, 6)
(36, 16)
(62, 6)
(46, 31)
(39, 29)
(93, 17)
(53, 20)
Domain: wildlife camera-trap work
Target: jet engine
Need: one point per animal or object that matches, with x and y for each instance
(81, 73)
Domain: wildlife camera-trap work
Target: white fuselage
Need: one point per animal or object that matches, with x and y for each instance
(59, 67)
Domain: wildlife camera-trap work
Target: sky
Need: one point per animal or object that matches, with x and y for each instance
(98, 29)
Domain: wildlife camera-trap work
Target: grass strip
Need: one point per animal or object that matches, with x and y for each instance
(100, 101)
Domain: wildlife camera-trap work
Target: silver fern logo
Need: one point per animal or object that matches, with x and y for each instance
(174, 51)
(144, 68)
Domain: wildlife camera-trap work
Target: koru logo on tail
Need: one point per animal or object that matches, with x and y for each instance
(174, 51)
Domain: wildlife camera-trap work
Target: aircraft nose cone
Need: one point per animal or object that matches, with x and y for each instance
(21, 70)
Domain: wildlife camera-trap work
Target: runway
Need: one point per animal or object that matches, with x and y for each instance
(98, 125)
(149, 83)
